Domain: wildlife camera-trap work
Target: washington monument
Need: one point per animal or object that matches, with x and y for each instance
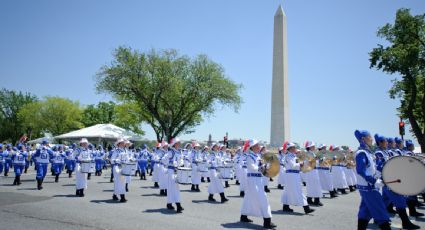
(280, 130)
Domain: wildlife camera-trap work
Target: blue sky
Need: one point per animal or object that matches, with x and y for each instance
(56, 48)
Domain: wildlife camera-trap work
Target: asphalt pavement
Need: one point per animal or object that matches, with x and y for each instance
(57, 207)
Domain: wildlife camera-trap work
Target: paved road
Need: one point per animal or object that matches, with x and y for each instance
(56, 207)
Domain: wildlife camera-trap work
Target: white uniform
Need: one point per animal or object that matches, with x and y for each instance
(118, 157)
(292, 193)
(255, 202)
(204, 157)
(196, 175)
(243, 175)
(163, 179)
(131, 157)
(325, 176)
(172, 160)
(215, 185)
(81, 154)
(156, 167)
(338, 176)
(314, 189)
(282, 173)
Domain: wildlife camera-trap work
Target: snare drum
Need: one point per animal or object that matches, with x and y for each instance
(404, 175)
(183, 175)
(128, 169)
(202, 167)
(86, 167)
(225, 172)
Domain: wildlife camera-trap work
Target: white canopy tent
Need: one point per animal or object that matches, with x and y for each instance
(100, 132)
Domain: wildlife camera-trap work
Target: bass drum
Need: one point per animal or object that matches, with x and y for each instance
(404, 175)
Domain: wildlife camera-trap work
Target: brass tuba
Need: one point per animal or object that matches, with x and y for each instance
(272, 164)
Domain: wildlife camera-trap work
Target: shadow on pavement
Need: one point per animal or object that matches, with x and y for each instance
(108, 201)
(29, 189)
(280, 212)
(68, 195)
(235, 196)
(70, 185)
(242, 225)
(152, 194)
(108, 190)
(206, 201)
(164, 211)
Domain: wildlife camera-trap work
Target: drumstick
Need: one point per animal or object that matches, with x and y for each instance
(393, 181)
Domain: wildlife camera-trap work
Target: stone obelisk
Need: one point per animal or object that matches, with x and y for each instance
(280, 130)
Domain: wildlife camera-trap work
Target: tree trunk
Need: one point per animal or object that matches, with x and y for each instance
(411, 116)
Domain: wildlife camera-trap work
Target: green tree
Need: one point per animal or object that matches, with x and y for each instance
(128, 117)
(173, 92)
(53, 114)
(125, 115)
(10, 104)
(102, 113)
(405, 55)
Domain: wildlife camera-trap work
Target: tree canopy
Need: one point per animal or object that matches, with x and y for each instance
(10, 104)
(125, 115)
(53, 114)
(172, 92)
(405, 55)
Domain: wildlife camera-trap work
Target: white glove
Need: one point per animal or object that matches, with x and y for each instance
(379, 184)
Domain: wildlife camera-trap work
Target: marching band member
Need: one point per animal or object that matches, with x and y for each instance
(368, 184)
(314, 189)
(196, 175)
(238, 166)
(163, 179)
(18, 158)
(391, 147)
(58, 160)
(155, 164)
(205, 155)
(244, 169)
(255, 202)
(118, 157)
(351, 173)
(215, 185)
(27, 159)
(82, 154)
(99, 158)
(131, 157)
(142, 161)
(2, 160)
(325, 175)
(42, 159)
(264, 178)
(389, 197)
(186, 153)
(281, 178)
(412, 201)
(399, 146)
(172, 160)
(224, 158)
(70, 160)
(8, 159)
(92, 152)
(338, 175)
(292, 193)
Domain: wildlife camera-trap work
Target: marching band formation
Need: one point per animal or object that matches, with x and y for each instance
(334, 171)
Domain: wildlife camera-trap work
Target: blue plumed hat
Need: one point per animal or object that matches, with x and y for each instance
(359, 134)
(397, 140)
(379, 138)
(409, 143)
(390, 140)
